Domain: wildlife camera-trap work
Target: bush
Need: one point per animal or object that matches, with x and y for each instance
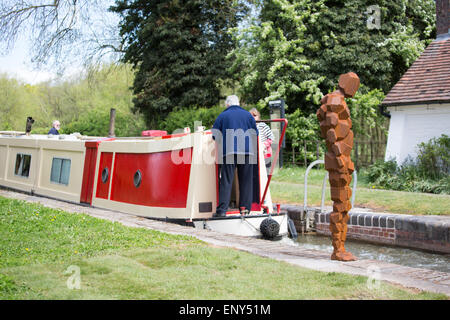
(428, 173)
(407, 177)
(303, 128)
(434, 157)
(381, 170)
(186, 117)
(364, 113)
(96, 123)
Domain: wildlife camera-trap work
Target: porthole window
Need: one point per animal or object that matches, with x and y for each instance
(23, 163)
(137, 179)
(60, 171)
(105, 175)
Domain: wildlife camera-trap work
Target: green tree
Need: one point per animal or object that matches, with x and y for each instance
(296, 49)
(303, 131)
(187, 117)
(82, 104)
(366, 120)
(269, 60)
(16, 104)
(178, 48)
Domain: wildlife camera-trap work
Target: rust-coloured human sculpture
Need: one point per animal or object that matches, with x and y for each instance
(335, 127)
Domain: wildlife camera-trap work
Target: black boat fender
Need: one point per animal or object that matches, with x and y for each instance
(292, 230)
(269, 228)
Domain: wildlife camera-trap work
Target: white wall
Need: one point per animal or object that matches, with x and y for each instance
(411, 125)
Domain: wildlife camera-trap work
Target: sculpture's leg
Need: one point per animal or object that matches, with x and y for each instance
(338, 227)
(346, 256)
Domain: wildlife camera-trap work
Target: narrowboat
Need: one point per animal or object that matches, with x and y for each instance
(171, 177)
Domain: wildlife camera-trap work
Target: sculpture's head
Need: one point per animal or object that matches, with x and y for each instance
(349, 84)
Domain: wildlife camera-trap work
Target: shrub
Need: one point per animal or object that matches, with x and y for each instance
(434, 157)
(381, 170)
(303, 128)
(428, 173)
(186, 117)
(387, 175)
(96, 123)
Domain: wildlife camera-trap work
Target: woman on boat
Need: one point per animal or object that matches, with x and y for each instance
(266, 137)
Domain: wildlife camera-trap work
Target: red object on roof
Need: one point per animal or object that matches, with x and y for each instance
(427, 80)
(153, 133)
(96, 142)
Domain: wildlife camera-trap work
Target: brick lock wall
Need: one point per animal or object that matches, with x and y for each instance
(371, 234)
(417, 232)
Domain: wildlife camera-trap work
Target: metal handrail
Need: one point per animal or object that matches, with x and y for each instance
(305, 197)
(275, 157)
(322, 203)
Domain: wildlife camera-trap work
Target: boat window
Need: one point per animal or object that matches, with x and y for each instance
(105, 175)
(23, 162)
(60, 171)
(137, 178)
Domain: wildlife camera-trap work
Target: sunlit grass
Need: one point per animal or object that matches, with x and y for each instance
(288, 187)
(118, 262)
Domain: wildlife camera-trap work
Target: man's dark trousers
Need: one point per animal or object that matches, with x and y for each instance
(244, 166)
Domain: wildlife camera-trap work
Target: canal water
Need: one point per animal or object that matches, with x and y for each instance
(364, 250)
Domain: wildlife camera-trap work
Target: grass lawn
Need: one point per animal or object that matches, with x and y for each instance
(287, 186)
(39, 246)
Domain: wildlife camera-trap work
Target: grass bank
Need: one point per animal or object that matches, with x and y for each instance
(44, 252)
(288, 187)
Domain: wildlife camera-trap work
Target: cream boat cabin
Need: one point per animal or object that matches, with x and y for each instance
(43, 165)
(169, 177)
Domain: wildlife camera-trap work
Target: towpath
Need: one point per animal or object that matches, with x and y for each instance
(416, 278)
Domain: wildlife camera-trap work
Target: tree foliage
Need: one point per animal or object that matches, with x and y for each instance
(270, 62)
(188, 117)
(364, 112)
(81, 104)
(178, 49)
(298, 48)
(15, 103)
(303, 131)
(96, 94)
(302, 128)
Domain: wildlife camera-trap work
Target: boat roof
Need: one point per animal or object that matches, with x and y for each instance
(79, 137)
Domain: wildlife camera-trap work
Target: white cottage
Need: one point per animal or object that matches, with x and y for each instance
(419, 104)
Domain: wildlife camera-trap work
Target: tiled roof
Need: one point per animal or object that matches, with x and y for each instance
(428, 78)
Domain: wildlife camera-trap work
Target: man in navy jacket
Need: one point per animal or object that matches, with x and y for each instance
(55, 127)
(236, 135)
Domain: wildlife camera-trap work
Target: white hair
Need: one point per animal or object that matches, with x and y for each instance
(232, 101)
(55, 122)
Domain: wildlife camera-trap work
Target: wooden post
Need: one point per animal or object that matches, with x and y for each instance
(112, 122)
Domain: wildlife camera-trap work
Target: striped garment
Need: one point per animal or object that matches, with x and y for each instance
(264, 131)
